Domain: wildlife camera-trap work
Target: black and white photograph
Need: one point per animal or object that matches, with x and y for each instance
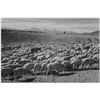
(50, 50)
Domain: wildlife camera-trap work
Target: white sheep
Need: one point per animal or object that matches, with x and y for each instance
(29, 66)
(44, 65)
(76, 63)
(37, 68)
(55, 67)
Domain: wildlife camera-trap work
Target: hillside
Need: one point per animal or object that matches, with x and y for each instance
(76, 33)
(8, 35)
(92, 33)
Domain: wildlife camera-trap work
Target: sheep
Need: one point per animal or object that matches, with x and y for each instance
(87, 47)
(23, 62)
(34, 57)
(67, 65)
(4, 60)
(96, 57)
(35, 49)
(40, 58)
(11, 62)
(78, 49)
(37, 68)
(55, 58)
(6, 72)
(22, 72)
(89, 62)
(55, 67)
(4, 65)
(47, 56)
(76, 63)
(13, 66)
(67, 57)
(17, 60)
(44, 65)
(6, 48)
(82, 56)
(29, 66)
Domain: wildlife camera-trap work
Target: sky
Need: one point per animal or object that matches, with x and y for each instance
(60, 24)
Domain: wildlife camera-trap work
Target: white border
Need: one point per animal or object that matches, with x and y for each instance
(55, 9)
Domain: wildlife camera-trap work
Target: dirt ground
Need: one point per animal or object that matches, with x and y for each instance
(79, 76)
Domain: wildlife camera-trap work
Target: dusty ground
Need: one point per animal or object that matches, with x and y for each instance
(72, 76)
(80, 76)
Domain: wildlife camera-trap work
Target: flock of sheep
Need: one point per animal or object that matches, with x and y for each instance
(31, 58)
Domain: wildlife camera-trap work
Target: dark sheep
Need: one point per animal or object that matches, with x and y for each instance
(6, 48)
(6, 72)
(22, 71)
(36, 49)
(13, 66)
(76, 63)
(89, 62)
(67, 65)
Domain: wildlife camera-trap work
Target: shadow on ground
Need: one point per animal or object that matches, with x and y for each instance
(66, 74)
